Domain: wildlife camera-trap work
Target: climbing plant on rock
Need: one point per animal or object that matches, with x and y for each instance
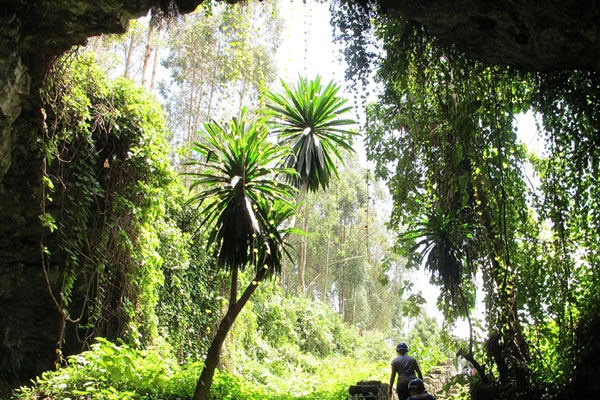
(443, 134)
(110, 210)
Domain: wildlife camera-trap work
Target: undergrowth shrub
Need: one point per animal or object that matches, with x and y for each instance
(116, 371)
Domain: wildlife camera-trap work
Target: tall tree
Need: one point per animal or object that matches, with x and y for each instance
(221, 54)
(346, 257)
(246, 209)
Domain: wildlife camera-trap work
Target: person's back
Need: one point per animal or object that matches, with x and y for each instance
(405, 366)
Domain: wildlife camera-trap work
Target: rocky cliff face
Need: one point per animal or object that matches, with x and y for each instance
(531, 35)
(32, 35)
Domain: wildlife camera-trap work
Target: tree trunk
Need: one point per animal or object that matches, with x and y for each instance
(213, 83)
(213, 356)
(354, 307)
(128, 57)
(511, 353)
(341, 303)
(303, 257)
(326, 284)
(147, 53)
(154, 67)
(242, 96)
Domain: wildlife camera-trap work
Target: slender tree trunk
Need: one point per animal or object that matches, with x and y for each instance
(188, 119)
(303, 257)
(301, 264)
(242, 96)
(213, 356)
(128, 57)
(97, 42)
(354, 308)
(147, 53)
(154, 68)
(213, 83)
(191, 107)
(326, 283)
(341, 303)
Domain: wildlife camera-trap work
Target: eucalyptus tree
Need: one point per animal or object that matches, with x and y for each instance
(220, 59)
(119, 54)
(345, 258)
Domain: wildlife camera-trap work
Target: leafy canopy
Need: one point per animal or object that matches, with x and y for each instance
(307, 118)
(239, 196)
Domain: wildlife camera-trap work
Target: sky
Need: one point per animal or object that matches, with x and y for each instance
(308, 32)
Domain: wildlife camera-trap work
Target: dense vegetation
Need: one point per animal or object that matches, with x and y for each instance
(282, 348)
(442, 133)
(162, 226)
(149, 276)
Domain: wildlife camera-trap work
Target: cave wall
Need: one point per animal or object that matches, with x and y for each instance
(32, 35)
(530, 35)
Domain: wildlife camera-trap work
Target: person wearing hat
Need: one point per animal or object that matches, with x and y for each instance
(416, 388)
(407, 369)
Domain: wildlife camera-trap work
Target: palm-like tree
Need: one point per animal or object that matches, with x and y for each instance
(441, 237)
(308, 119)
(245, 207)
(444, 240)
(237, 167)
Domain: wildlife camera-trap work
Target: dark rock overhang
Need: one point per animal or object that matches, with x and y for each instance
(531, 35)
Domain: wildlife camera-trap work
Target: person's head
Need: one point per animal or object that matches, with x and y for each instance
(416, 386)
(402, 348)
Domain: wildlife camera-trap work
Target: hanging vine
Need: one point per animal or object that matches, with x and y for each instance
(109, 199)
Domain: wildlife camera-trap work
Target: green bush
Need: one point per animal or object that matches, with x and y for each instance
(116, 371)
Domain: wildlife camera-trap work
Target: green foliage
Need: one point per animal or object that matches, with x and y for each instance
(430, 345)
(111, 371)
(238, 191)
(442, 133)
(308, 120)
(189, 298)
(124, 241)
(288, 347)
(221, 59)
(263, 363)
(360, 278)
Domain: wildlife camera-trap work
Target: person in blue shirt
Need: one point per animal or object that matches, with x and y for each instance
(416, 388)
(407, 369)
